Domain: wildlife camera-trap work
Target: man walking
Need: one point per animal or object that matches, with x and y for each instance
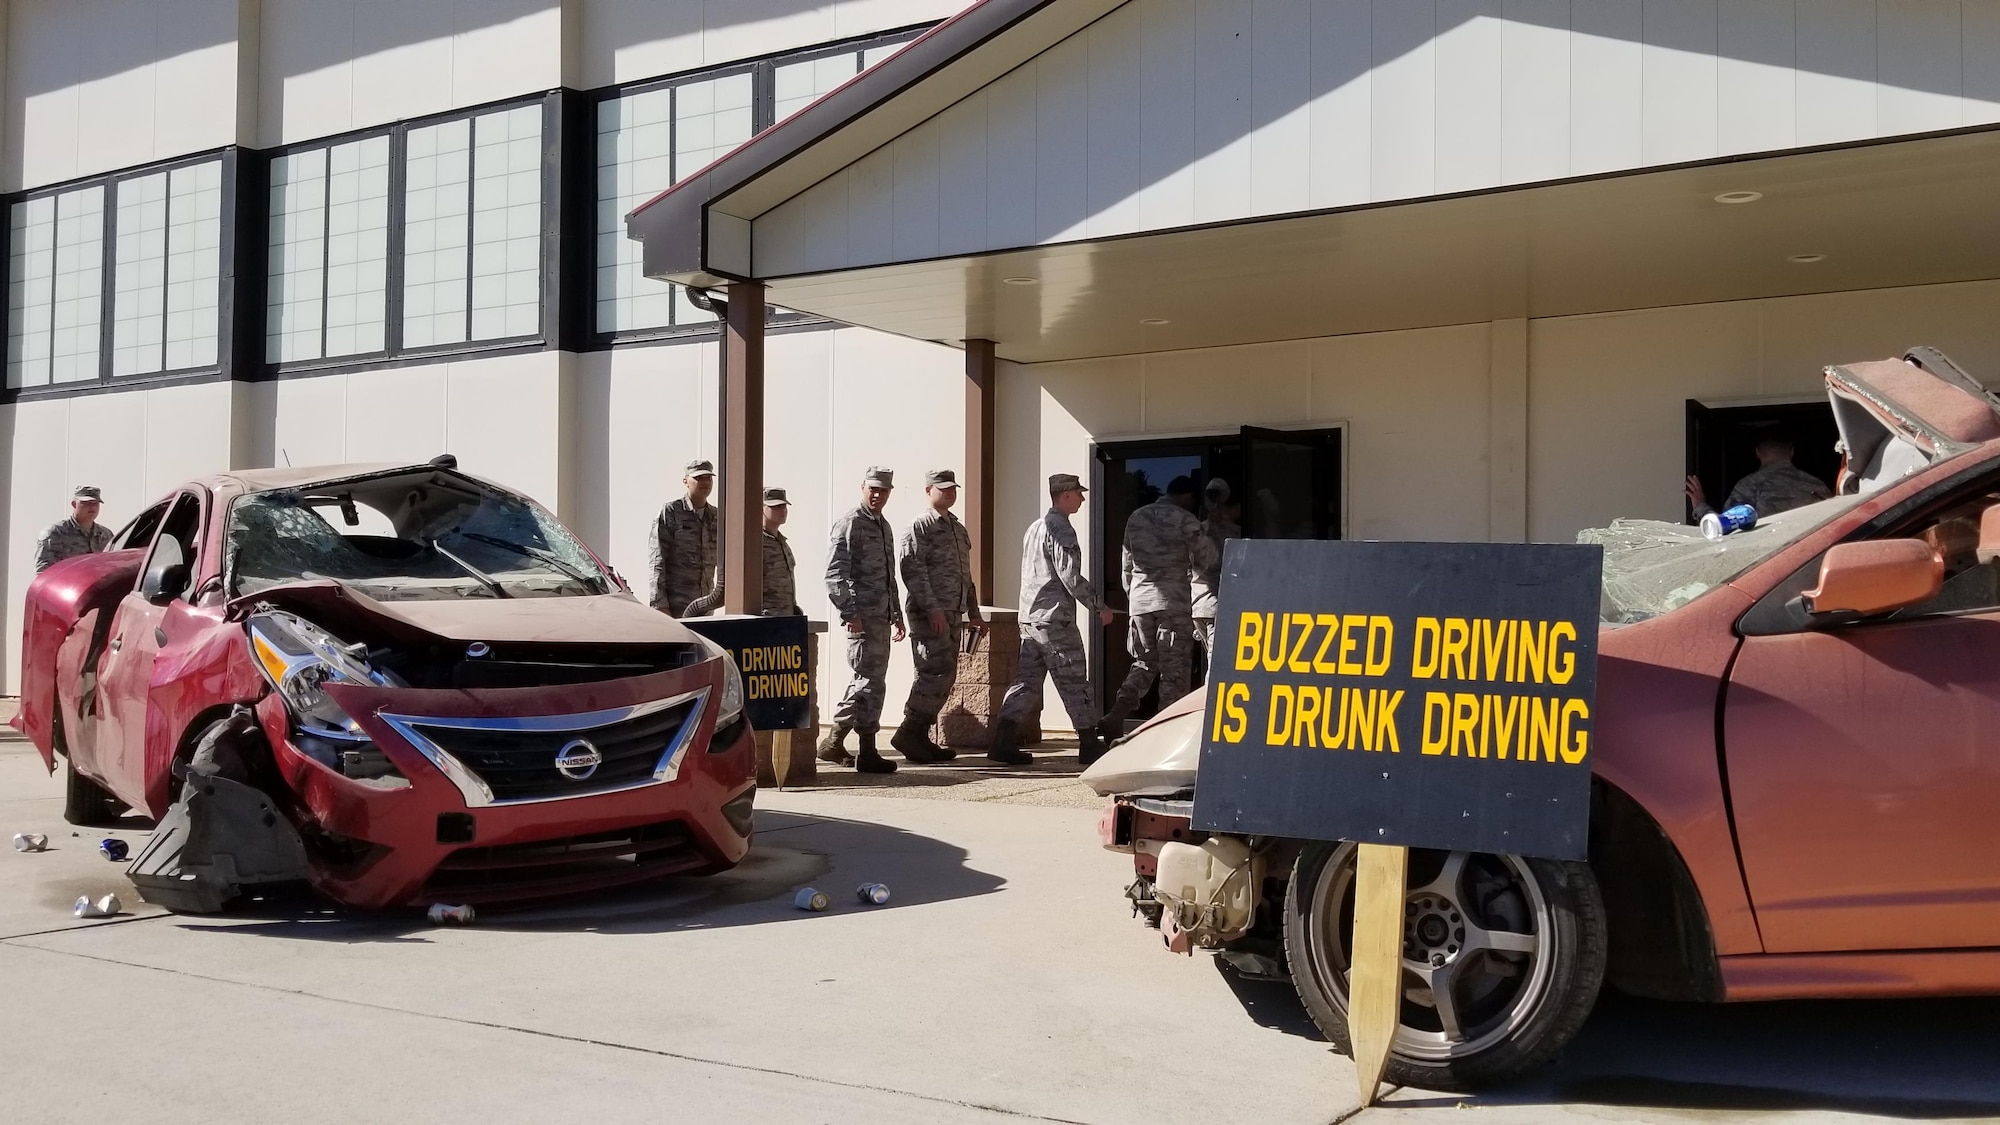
(1164, 547)
(938, 596)
(861, 584)
(1776, 486)
(1220, 526)
(781, 597)
(685, 582)
(80, 534)
(1052, 583)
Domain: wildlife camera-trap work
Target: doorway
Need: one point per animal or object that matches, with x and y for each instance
(1722, 442)
(1287, 481)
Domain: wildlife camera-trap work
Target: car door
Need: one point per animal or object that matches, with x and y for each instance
(125, 671)
(1864, 758)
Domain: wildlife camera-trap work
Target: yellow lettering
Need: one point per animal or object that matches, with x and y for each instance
(1249, 638)
(1332, 732)
(1424, 661)
(1383, 627)
(1496, 647)
(1533, 644)
(1573, 751)
(1562, 662)
(1360, 720)
(1305, 623)
(1464, 722)
(1452, 649)
(1437, 718)
(1232, 705)
(1331, 623)
(1542, 729)
(1274, 734)
(1349, 643)
(1304, 729)
(1385, 722)
(1503, 734)
(1277, 627)
(1220, 699)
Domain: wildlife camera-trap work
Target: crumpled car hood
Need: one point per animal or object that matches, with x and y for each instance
(601, 618)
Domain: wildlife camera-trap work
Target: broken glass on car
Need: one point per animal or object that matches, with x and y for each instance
(422, 534)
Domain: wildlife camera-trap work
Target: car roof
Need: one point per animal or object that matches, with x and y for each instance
(287, 476)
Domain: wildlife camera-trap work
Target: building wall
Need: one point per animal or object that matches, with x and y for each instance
(1168, 113)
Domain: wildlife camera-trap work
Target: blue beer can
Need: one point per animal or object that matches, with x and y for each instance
(1728, 521)
(113, 849)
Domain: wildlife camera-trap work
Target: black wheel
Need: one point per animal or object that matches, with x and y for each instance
(1502, 959)
(87, 804)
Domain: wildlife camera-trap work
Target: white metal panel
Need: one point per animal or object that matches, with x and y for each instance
(1281, 106)
(917, 203)
(1535, 44)
(1917, 65)
(1605, 112)
(1010, 158)
(1980, 27)
(778, 240)
(1166, 113)
(1403, 157)
(1343, 96)
(871, 206)
(1468, 94)
(1112, 161)
(1677, 72)
(826, 223)
(1756, 79)
(1836, 70)
(962, 176)
(1062, 140)
(403, 60)
(1222, 122)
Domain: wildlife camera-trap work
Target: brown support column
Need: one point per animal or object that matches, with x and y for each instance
(743, 450)
(978, 509)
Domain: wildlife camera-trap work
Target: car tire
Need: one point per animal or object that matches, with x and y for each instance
(1518, 946)
(87, 804)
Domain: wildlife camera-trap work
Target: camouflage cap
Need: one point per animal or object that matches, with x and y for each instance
(775, 498)
(940, 478)
(1060, 483)
(879, 477)
(700, 469)
(87, 492)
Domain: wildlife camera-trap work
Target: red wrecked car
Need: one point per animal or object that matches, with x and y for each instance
(403, 684)
(1796, 763)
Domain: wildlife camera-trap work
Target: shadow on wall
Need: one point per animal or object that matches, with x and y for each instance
(6, 524)
(590, 464)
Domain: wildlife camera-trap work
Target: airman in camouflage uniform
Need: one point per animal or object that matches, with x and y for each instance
(781, 596)
(1164, 547)
(1052, 583)
(1776, 486)
(1220, 526)
(685, 582)
(80, 534)
(861, 584)
(938, 596)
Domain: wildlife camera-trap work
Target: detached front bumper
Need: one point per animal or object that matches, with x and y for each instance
(504, 803)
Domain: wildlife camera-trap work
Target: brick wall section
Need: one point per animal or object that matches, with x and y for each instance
(966, 723)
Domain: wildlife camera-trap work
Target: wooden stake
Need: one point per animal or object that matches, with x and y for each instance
(1375, 971)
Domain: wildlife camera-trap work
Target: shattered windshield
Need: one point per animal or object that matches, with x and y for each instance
(1651, 566)
(413, 535)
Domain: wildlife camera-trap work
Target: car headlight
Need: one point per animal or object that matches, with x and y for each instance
(732, 682)
(298, 657)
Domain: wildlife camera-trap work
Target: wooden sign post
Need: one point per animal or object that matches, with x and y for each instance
(1375, 961)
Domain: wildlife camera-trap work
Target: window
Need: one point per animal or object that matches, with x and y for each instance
(55, 288)
(457, 246)
(166, 279)
(653, 136)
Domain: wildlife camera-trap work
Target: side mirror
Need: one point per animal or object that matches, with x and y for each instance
(166, 576)
(1989, 535)
(1876, 577)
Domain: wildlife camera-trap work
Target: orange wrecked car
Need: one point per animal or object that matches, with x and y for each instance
(1796, 772)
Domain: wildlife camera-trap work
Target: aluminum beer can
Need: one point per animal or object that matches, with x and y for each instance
(113, 849)
(106, 907)
(874, 894)
(30, 842)
(809, 899)
(442, 915)
(1728, 521)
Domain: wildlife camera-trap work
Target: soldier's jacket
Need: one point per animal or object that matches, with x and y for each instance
(1052, 581)
(1776, 488)
(68, 539)
(937, 566)
(1208, 579)
(1164, 546)
(781, 596)
(861, 567)
(683, 559)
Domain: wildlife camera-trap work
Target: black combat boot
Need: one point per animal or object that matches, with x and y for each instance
(1089, 747)
(1112, 727)
(1004, 749)
(870, 760)
(830, 748)
(912, 739)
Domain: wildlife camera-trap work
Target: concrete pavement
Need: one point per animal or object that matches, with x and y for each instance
(1004, 981)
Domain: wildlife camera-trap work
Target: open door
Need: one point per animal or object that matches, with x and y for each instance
(1291, 484)
(1722, 443)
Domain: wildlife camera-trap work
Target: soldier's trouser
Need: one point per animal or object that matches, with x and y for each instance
(868, 664)
(1054, 649)
(1204, 635)
(936, 657)
(1162, 648)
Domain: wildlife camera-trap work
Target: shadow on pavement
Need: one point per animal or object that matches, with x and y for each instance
(791, 850)
(1050, 764)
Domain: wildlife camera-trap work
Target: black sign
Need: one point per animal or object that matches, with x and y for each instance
(1434, 695)
(774, 654)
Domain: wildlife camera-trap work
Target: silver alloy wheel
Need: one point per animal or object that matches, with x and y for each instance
(1478, 949)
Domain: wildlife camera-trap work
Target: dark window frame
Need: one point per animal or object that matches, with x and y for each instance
(232, 161)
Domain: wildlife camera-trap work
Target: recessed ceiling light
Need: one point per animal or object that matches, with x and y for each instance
(1739, 197)
(1154, 320)
(1806, 259)
(1019, 280)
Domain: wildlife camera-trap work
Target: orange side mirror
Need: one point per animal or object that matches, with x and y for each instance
(1989, 534)
(1876, 577)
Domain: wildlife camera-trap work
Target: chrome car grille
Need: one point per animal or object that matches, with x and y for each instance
(556, 757)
